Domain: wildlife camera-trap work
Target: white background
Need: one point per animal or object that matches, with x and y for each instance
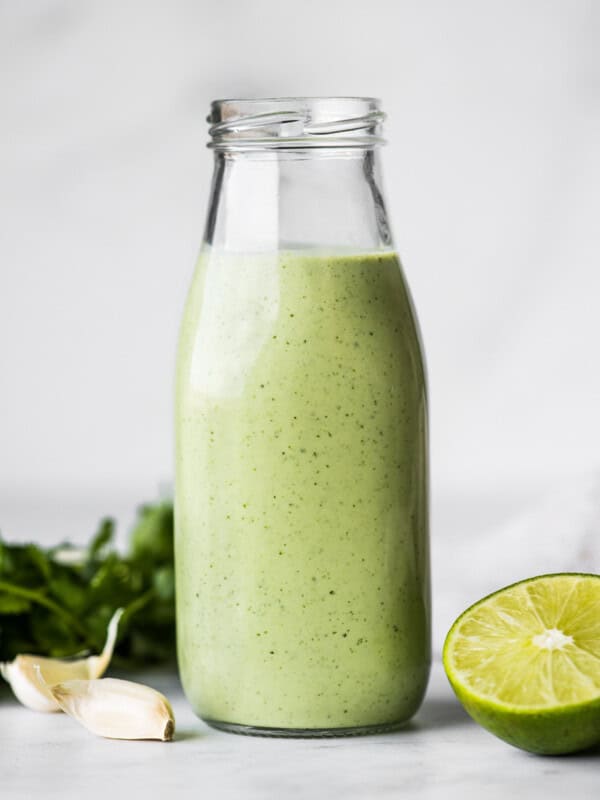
(492, 177)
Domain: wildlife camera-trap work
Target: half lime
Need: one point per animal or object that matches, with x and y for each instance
(525, 662)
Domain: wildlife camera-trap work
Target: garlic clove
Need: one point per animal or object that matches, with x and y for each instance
(22, 675)
(26, 688)
(117, 709)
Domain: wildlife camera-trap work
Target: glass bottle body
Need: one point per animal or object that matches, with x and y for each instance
(301, 488)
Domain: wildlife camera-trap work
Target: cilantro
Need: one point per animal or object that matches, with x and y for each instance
(58, 601)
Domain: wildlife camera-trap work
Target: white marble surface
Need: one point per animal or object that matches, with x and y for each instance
(442, 754)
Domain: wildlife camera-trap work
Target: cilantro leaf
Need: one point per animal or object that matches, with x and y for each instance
(58, 601)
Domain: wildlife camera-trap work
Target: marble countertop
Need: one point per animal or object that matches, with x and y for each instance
(442, 754)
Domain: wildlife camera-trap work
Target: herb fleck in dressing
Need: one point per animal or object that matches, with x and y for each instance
(301, 508)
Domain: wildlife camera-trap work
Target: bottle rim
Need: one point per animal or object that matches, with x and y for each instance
(292, 123)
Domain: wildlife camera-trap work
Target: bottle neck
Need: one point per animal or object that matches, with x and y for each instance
(276, 200)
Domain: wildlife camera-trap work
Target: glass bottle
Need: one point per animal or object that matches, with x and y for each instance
(301, 502)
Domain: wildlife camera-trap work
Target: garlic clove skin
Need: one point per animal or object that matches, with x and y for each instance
(117, 709)
(97, 665)
(22, 672)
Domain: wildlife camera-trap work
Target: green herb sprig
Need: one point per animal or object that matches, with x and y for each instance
(58, 601)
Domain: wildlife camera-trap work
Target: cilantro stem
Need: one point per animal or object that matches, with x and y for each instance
(138, 603)
(42, 600)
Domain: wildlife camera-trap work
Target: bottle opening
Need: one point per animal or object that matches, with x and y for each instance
(295, 123)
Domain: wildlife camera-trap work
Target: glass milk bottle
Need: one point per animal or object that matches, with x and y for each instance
(301, 435)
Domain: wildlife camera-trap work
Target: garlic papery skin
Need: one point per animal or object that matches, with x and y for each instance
(117, 709)
(34, 693)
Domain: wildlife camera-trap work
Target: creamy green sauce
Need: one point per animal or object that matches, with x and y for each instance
(301, 494)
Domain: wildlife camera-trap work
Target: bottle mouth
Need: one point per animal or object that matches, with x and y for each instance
(295, 123)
